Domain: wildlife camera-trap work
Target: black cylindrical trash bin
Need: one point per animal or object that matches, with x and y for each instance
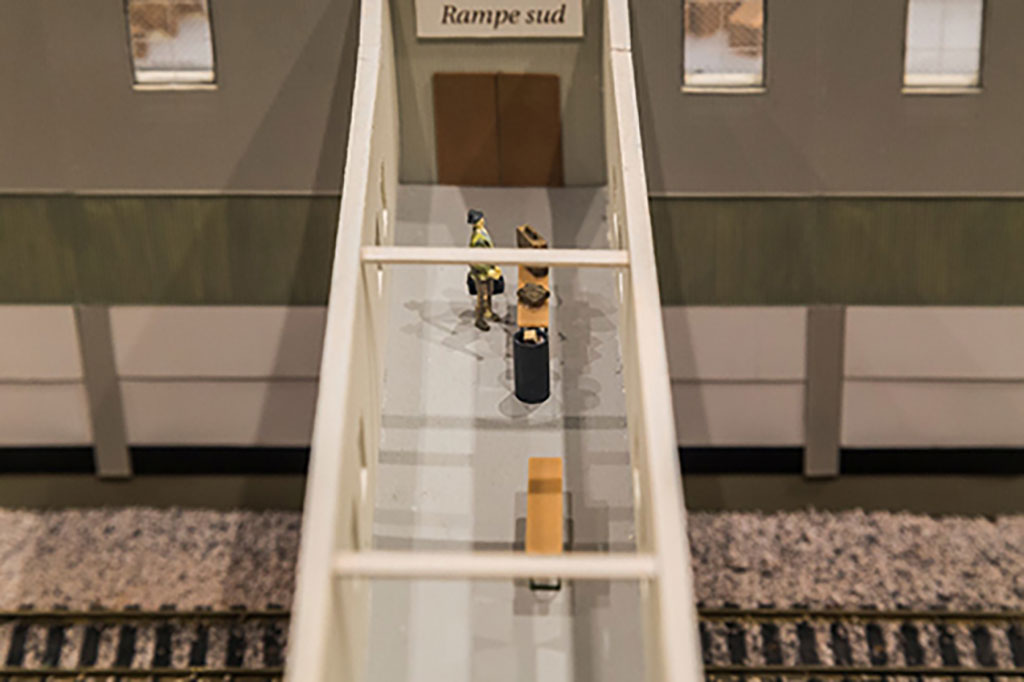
(533, 377)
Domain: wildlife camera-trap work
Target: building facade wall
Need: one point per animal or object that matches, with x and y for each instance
(276, 122)
(833, 186)
(832, 118)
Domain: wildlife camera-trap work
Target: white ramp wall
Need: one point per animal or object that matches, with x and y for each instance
(330, 623)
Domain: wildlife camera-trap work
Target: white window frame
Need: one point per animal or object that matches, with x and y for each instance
(942, 83)
(726, 83)
(172, 79)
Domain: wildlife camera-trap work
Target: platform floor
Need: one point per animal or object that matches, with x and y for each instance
(453, 467)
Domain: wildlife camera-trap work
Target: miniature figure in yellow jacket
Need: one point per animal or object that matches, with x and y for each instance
(483, 274)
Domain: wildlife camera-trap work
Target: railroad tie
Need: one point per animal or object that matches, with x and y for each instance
(235, 656)
(90, 651)
(705, 643)
(163, 648)
(877, 653)
(126, 646)
(273, 645)
(808, 644)
(842, 652)
(200, 645)
(54, 646)
(910, 639)
(771, 644)
(947, 647)
(16, 650)
(983, 651)
(736, 641)
(1016, 638)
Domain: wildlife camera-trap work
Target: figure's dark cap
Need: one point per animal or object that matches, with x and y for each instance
(475, 216)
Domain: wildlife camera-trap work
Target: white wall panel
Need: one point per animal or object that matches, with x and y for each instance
(736, 342)
(739, 414)
(44, 414)
(39, 342)
(933, 414)
(217, 341)
(935, 342)
(276, 413)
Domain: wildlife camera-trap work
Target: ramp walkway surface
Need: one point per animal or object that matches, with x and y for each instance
(455, 443)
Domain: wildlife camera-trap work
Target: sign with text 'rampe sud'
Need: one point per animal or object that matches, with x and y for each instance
(499, 19)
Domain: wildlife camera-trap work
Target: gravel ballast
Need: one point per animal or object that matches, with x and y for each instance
(853, 559)
(149, 558)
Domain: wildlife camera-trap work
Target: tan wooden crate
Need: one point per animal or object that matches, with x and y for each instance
(544, 513)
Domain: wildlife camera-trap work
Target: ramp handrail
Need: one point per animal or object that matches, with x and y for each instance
(494, 565)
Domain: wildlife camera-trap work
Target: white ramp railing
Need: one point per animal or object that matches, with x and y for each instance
(671, 639)
(329, 633)
(494, 565)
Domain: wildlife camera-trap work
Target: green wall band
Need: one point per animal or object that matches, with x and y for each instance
(166, 250)
(274, 250)
(857, 251)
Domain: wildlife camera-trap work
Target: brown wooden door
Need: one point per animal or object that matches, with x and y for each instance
(498, 129)
(529, 130)
(466, 125)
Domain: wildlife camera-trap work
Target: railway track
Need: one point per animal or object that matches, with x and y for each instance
(236, 645)
(865, 643)
(87, 646)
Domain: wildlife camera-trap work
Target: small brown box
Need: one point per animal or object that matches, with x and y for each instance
(527, 238)
(527, 316)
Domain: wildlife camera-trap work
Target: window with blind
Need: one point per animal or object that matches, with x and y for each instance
(171, 42)
(943, 47)
(723, 43)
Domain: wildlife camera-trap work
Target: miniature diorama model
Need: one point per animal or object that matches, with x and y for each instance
(484, 280)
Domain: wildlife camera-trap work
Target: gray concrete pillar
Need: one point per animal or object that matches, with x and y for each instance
(110, 443)
(826, 329)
